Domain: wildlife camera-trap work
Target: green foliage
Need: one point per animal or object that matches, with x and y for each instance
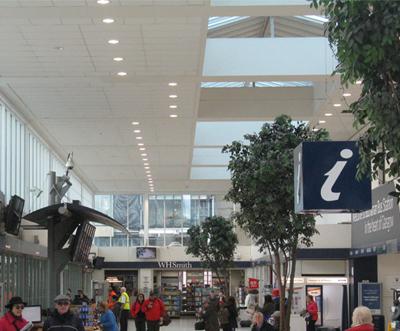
(262, 174)
(214, 242)
(365, 38)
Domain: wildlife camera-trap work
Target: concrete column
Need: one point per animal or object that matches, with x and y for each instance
(146, 218)
(145, 281)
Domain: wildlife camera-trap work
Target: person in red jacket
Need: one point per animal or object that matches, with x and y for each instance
(362, 320)
(138, 314)
(312, 310)
(154, 310)
(12, 320)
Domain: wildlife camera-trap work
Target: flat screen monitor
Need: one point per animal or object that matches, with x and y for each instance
(13, 215)
(146, 252)
(83, 242)
(32, 313)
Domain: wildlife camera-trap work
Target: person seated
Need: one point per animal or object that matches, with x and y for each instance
(80, 298)
(362, 320)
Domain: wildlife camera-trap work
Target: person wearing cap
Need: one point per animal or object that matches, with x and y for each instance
(125, 305)
(62, 319)
(12, 320)
(154, 310)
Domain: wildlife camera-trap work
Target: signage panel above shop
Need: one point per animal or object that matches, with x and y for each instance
(377, 230)
(325, 178)
(168, 265)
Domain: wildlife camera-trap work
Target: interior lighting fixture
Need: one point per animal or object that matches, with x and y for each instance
(347, 94)
(173, 96)
(328, 114)
(103, 2)
(173, 106)
(140, 144)
(146, 164)
(148, 172)
(139, 138)
(337, 105)
(142, 149)
(136, 131)
(113, 41)
(173, 115)
(122, 73)
(118, 59)
(148, 175)
(144, 159)
(172, 84)
(359, 82)
(59, 48)
(147, 168)
(143, 154)
(135, 123)
(108, 20)
(321, 121)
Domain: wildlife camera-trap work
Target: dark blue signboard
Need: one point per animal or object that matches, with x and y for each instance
(370, 295)
(325, 178)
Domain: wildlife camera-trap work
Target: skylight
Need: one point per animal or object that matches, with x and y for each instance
(216, 22)
(313, 18)
(256, 84)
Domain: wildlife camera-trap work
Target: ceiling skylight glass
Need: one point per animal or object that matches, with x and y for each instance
(256, 84)
(216, 22)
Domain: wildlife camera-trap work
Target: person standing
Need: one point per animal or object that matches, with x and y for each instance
(268, 307)
(13, 320)
(62, 319)
(154, 310)
(81, 298)
(312, 311)
(138, 314)
(210, 314)
(233, 313)
(124, 303)
(107, 322)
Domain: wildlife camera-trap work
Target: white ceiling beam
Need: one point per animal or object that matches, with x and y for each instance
(268, 59)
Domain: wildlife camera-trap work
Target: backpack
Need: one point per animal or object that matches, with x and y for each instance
(224, 316)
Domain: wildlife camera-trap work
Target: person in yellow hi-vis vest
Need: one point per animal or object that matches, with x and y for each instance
(125, 309)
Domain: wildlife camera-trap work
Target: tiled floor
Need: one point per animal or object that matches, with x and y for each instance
(182, 324)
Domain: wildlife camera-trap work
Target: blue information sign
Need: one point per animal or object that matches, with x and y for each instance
(325, 178)
(370, 295)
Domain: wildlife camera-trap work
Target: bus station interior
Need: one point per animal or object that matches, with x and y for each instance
(145, 101)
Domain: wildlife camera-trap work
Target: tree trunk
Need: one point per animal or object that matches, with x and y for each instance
(278, 272)
(291, 286)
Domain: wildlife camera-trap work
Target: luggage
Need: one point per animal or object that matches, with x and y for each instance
(199, 325)
(245, 324)
(166, 319)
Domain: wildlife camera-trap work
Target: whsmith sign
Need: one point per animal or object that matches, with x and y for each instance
(377, 230)
(325, 178)
(181, 265)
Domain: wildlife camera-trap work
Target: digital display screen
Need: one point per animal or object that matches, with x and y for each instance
(146, 252)
(32, 313)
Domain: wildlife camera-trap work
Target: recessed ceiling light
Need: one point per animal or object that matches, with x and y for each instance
(59, 48)
(118, 59)
(108, 20)
(103, 2)
(147, 168)
(347, 94)
(148, 175)
(135, 123)
(148, 172)
(145, 159)
(122, 73)
(359, 82)
(173, 96)
(173, 106)
(337, 105)
(315, 129)
(321, 122)
(113, 41)
(172, 84)
(146, 164)
(139, 138)
(143, 154)
(173, 116)
(328, 114)
(142, 149)
(136, 131)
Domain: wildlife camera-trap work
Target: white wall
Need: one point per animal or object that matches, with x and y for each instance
(389, 276)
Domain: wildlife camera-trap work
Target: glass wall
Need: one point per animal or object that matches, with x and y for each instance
(170, 216)
(25, 161)
(127, 210)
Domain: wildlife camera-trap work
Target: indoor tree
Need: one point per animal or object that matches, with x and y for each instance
(262, 175)
(214, 242)
(364, 36)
